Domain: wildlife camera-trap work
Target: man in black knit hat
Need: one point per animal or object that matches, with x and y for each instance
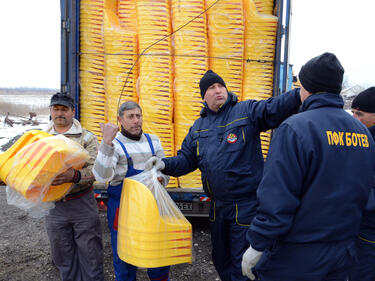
(363, 108)
(311, 196)
(224, 143)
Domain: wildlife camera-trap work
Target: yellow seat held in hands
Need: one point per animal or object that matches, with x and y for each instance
(147, 239)
(31, 164)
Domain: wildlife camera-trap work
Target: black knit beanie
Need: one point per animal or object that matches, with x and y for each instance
(365, 101)
(208, 79)
(323, 73)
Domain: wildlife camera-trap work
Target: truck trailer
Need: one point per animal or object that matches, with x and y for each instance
(155, 51)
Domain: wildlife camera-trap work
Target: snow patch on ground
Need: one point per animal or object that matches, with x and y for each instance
(7, 133)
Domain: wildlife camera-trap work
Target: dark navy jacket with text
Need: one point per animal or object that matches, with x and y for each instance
(225, 145)
(317, 177)
(368, 221)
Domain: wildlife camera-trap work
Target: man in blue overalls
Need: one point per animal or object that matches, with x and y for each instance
(121, 155)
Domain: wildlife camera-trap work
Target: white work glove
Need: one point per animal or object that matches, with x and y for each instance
(154, 162)
(249, 260)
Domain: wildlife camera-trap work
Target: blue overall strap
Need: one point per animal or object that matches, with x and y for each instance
(130, 160)
(150, 143)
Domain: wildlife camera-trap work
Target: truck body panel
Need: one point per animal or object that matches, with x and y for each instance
(192, 201)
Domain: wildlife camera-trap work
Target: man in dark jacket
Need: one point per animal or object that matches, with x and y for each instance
(224, 143)
(313, 189)
(363, 108)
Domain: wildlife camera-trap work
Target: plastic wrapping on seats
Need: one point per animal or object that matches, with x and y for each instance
(32, 163)
(152, 231)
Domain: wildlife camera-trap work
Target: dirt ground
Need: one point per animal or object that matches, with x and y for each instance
(25, 252)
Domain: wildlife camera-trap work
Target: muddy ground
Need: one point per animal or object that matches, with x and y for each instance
(25, 253)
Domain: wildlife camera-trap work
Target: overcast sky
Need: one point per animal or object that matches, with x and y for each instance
(30, 39)
(30, 43)
(343, 27)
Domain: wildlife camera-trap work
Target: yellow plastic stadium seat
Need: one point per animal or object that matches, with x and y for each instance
(120, 69)
(35, 160)
(146, 239)
(7, 158)
(235, 38)
(264, 6)
(127, 14)
(260, 45)
(226, 34)
(92, 64)
(155, 79)
(190, 63)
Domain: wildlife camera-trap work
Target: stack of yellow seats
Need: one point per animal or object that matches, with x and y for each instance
(120, 48)
(234, 38)
(264, 6)
(146, 239)
(191, 62)
(156, 72)
(127, 13)
(226, 41)
(111, 5)
(92, 97)
(260, 40)
(31, 164)
(7, 157)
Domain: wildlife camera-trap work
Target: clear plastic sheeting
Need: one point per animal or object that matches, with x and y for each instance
(226, 34)
(92, 94)
(260, 45)
(156, 51)
(190, 63)
(155, 81)
(36, 210)
(7, 157)
(34, 166)
(120, 48)
(127, 13)
(264, 6)
(152, 231)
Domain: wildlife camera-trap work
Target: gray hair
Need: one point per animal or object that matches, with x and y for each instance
(128, 105)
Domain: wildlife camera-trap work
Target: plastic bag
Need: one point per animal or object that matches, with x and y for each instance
(167, 207)
(152, 231)
(35, 167)
(36, 210)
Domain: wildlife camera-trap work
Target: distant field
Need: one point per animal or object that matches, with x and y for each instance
(27, 91)
(22, 101)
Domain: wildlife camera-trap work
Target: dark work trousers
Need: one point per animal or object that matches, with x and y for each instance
(364, 269)
(307, 262)
(229, 222)
(74, 232)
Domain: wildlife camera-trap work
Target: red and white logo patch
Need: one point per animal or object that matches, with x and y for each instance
(231, 138)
